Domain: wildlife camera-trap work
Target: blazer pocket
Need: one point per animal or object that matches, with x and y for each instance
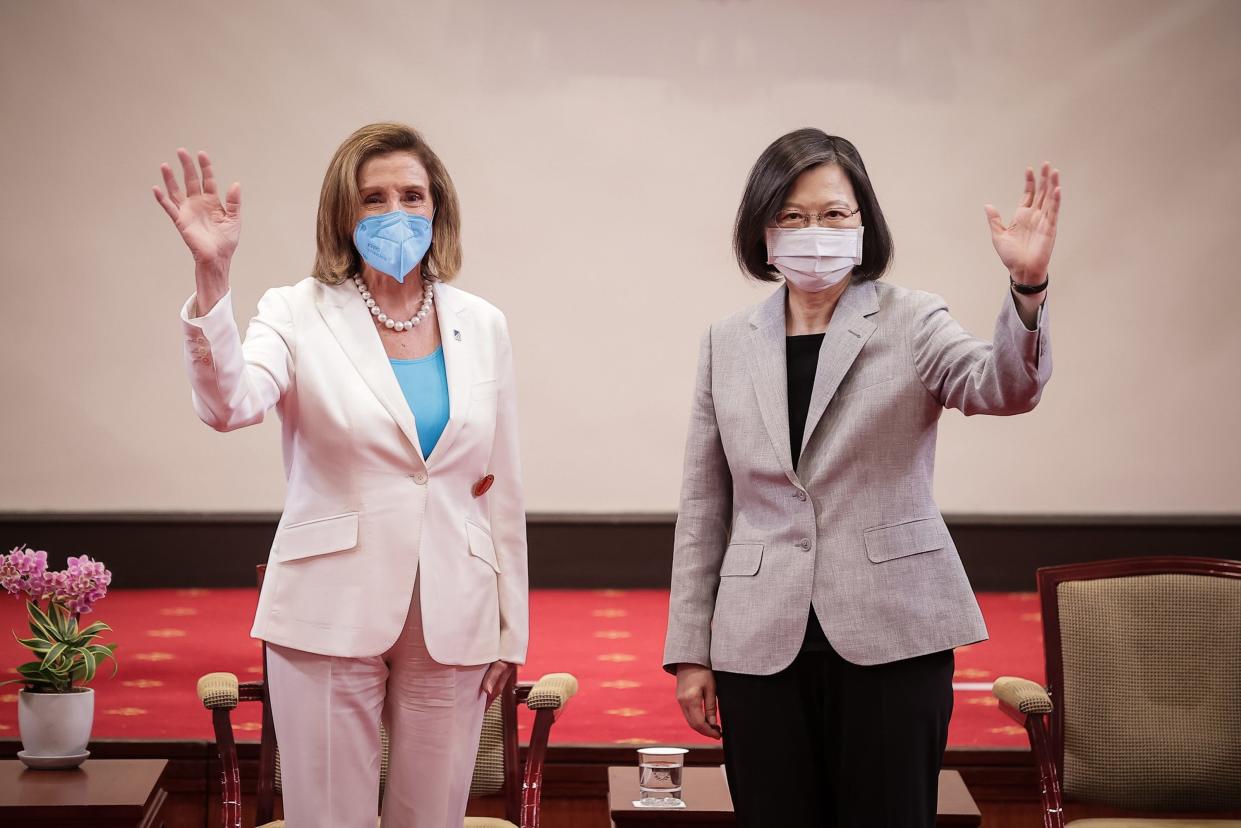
(317, 537)
(899, 540)
(742, 559)
(481, 546)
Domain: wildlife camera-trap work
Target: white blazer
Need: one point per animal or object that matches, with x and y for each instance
(364, 512)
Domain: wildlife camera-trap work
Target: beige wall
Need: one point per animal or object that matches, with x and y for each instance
(600, 150)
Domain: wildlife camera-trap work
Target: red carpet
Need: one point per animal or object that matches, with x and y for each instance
(611, 640)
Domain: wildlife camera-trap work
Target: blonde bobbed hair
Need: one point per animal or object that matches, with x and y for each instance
(336, 258)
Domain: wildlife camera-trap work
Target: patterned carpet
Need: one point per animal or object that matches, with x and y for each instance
(610, 639)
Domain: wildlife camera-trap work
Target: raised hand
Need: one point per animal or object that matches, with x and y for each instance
(1025, 245)
(210, 229)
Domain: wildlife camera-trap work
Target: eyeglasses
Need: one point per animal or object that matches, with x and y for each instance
(791, 218)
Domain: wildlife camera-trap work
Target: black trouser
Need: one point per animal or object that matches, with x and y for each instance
(825, 742)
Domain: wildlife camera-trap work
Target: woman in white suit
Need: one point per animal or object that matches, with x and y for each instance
(396, 586)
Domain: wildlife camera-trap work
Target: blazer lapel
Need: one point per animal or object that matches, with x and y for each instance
(766, 359)
(348, 319)
(847, 332)
(457, 337)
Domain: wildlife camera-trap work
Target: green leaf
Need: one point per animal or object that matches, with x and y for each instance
(102, 651)
(82, 640)
(60, 668)
(39, 616)
(94, 629)
(38, 645)
(41, 626)
(88, 658)
(66, 626)
(32, 672)
(84, 668)
(54, 654)
(33, 675)
(55, 620)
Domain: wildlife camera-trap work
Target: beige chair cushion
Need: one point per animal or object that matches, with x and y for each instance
(489, 764)
(552, 691)
(1021, 694)
(1154, 823)
(218, 690)
(1151, 669)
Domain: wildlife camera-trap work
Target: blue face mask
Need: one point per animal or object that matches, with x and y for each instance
(393, 243)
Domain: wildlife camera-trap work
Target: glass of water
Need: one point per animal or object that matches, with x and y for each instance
(659, 776)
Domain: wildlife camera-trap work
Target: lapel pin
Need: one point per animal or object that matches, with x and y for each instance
(456, 335)
(481, 487)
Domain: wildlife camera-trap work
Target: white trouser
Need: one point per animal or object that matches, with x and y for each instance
(327, 712)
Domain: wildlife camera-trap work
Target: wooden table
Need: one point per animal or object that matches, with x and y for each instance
(705, 793)
(101, 793)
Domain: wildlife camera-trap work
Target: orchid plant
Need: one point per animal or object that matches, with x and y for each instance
(66, 656)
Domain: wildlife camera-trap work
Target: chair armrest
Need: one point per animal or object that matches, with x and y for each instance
(547, 698)
(1021, 696)
(552, 692)
(219, 691)
(252, 691)
(1030, 706)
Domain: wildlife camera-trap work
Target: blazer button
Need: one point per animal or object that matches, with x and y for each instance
(419, 477)
(804, 543)
(801, 496)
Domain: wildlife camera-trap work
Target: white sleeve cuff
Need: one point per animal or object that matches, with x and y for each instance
(204, 320)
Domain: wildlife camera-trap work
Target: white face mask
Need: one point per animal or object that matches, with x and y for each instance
(814, 258)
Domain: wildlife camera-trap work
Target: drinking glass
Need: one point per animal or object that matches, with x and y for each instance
(659, 776)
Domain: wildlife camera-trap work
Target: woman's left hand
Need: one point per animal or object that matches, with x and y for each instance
(494, 678)
(1025, 245)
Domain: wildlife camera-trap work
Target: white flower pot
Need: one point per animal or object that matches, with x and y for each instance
(55, 725)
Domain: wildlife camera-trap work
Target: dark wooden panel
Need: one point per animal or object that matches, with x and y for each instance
(1000, 553)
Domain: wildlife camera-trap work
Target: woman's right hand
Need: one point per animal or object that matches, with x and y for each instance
(696, 695)
(209, 229)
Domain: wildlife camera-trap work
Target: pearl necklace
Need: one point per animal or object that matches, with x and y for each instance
(381, 318)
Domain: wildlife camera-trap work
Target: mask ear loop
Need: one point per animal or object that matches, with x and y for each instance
(426, 276)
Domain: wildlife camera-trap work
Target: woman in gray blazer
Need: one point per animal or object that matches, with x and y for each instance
(815, 587)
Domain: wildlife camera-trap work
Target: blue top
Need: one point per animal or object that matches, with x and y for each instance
(424, 382)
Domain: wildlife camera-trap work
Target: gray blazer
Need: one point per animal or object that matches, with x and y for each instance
(855, 531)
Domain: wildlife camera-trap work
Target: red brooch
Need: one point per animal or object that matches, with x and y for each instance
(481, 487)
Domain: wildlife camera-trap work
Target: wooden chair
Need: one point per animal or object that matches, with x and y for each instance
(498, 770)
(1141, 715)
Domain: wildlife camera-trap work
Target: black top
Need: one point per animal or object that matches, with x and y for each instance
(802, 359)
(802, 355)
